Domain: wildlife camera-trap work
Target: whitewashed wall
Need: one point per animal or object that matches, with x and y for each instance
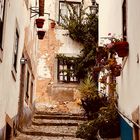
(129, 85)
(110, 18)
(16, 12)
(110, 21)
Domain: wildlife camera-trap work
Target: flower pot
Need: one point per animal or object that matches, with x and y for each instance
(53, 24)
(122, 48)
(40, 22)
(40, 34)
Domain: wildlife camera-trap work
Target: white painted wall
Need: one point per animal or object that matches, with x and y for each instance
(109, 18)
(16, 11)
(69, 47)
(129, 90)
(110, 21)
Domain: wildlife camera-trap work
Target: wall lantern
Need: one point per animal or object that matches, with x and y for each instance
(94, 7)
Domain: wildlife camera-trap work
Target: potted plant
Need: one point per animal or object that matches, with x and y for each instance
(121, 48)
(40, 34)
(40, 22)
(53, 24)
(118, 45)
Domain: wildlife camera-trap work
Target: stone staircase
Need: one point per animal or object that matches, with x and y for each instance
(52, 126)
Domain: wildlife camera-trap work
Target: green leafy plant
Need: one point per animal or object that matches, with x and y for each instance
(83, 28)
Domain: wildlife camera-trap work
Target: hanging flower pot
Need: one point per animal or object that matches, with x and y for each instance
(53, 24)
(116, 70)
(40, 34)
(122, 48)
(40, 22)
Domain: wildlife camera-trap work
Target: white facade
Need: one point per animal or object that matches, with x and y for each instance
(110, 21)
(16, 17)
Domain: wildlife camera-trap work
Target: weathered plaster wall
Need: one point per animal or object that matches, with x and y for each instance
(55, 42)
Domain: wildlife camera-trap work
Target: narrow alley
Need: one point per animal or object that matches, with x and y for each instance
(69, 70)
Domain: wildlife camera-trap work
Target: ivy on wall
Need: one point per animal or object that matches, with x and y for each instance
(83, 28)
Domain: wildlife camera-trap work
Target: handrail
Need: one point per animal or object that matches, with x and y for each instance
(127, 118)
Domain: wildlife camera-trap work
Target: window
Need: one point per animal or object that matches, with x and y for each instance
(66, 70)
(31, 92)
(63, 9)
(27, 87)
(16, 51)
(124, 19)
(2, 9)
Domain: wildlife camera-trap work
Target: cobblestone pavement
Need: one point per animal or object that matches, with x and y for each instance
(52, 125)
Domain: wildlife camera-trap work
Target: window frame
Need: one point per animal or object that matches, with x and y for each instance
(15, 53)
(67, 2)
(27, 86)
(65, 71)
(124, 19)
(2, 27)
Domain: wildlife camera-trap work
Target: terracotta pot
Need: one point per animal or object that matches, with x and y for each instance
(122, 48)
(53, 24)
(40, 22)
(40, 34)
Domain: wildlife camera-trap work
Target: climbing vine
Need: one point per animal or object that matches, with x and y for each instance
(83, 28)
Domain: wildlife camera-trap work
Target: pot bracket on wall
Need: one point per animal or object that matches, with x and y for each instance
(38, 10)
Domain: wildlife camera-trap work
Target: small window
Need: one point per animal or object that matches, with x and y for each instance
(124, 19)
(66, 70)
(16, 50)
(2, 9)
(27, 85)
(63, 9)
(31, 93)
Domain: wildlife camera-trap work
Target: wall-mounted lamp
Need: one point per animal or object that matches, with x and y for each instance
(23, 61)
(94, 7)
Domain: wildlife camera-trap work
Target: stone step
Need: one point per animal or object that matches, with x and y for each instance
(53, 124)
(57, 122)
(57, 113)
(54, 131)
(30, 137)
(64, 117)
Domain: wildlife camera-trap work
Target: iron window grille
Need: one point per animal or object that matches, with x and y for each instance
(66, 71)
